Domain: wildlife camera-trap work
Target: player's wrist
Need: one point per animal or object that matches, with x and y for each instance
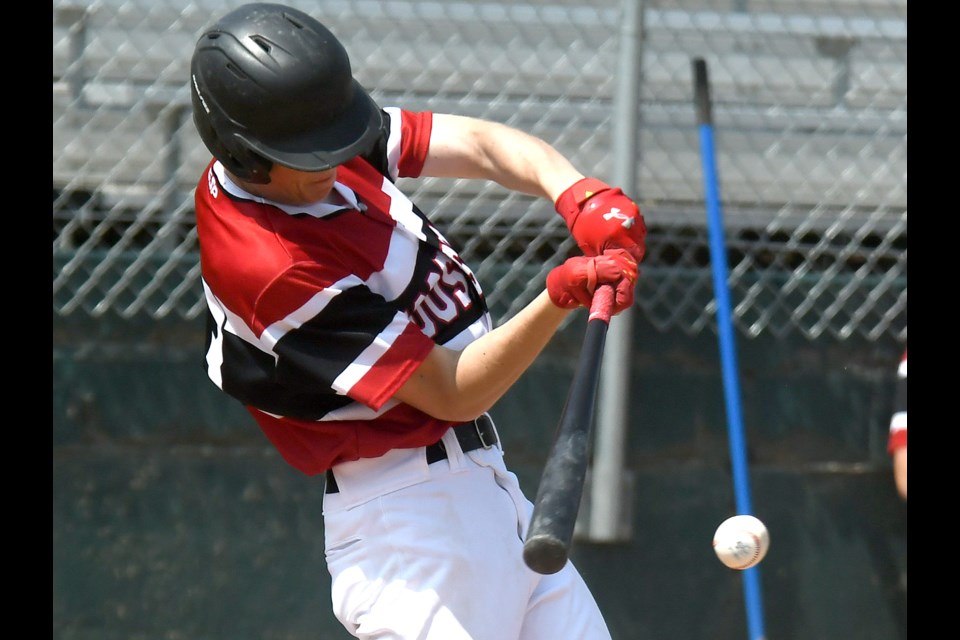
(570, 202)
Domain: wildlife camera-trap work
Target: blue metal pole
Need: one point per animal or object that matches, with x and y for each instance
(728, 352)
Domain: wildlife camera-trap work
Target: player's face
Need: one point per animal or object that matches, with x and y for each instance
(290, 186)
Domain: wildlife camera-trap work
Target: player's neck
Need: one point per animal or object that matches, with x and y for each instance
(286, 192)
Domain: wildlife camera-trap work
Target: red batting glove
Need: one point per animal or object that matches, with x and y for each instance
(572, 284)
(602, 217)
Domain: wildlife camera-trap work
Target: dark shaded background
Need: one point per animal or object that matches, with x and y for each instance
(174, 518)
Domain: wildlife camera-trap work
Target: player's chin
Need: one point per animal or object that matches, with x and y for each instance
(313, 191)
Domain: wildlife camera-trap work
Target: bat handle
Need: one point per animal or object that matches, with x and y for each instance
(601, 307)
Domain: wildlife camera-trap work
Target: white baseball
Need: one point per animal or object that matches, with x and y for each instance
(741, 541)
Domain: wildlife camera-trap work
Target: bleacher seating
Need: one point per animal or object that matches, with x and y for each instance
(790, 119)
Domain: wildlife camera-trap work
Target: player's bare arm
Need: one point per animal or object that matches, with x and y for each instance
(900, 471)
(598, 215)
(455, 385)
(464, 147)
(460, 385)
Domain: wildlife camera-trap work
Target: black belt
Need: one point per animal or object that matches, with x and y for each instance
(470, 435)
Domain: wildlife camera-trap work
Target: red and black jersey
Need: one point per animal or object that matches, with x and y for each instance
(898, 423)
(318, 314)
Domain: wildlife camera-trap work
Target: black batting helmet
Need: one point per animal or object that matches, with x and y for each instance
(271, 84)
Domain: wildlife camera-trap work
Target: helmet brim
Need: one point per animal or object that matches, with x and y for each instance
(330, 144)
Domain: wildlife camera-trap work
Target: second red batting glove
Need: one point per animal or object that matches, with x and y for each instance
(602, 217)
(572, 284)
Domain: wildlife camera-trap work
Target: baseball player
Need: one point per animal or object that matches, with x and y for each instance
(361, 343)
(897, 440)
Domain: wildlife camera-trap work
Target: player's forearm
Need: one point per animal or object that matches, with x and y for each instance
(900, 471)
(470, 148)
(488, 367)
(459, 385)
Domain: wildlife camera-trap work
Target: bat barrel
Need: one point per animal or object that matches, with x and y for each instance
(548, 541)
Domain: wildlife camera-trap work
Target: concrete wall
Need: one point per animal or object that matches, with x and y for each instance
(173, 518)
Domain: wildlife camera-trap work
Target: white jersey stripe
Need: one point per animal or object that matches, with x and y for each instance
(311, 309)
(369, 356)
(393, 141)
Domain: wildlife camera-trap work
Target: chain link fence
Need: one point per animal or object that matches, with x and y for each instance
(809, 106)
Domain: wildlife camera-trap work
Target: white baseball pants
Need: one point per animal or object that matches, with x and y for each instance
(435, 552)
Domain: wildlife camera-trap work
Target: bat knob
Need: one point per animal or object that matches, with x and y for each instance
(544, 554)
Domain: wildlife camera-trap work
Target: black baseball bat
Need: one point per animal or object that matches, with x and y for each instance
(548, 541)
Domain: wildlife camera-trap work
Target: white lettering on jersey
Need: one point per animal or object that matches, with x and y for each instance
(447, 295)
(212, 183)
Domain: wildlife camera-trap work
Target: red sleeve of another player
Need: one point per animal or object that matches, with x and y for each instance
(897, 440)
(415, 128)
(898, 423)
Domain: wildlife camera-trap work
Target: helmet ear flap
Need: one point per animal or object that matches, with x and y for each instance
(234, 155)
(246, 164)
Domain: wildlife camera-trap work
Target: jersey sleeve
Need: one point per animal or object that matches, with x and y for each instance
(408, 141)
(346, 339)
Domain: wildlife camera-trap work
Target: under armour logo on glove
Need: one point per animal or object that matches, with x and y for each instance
(615, 213)
(602, 217)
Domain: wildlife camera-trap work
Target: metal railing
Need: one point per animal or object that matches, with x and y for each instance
(810, 109)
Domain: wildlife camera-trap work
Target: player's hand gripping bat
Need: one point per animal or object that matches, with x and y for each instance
(550, 535)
